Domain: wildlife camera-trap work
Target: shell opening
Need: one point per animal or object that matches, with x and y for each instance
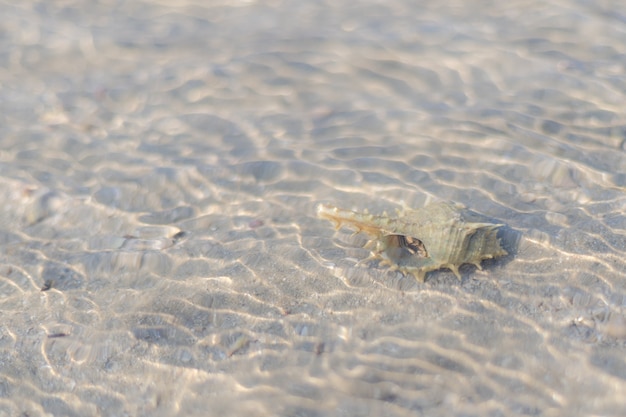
(403, 245)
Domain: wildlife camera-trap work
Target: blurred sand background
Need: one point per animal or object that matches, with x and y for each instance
(160, 164)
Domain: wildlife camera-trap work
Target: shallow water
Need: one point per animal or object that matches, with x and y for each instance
(160, 165)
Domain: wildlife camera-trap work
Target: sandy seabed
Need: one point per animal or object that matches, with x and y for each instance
(160, 165)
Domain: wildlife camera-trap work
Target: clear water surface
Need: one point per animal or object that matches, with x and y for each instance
(160, 165)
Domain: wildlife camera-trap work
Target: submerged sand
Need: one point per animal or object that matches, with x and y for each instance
(160, 165)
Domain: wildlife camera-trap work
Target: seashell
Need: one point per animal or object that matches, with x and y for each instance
(440, 235)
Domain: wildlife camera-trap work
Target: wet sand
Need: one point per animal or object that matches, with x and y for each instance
(160, 166)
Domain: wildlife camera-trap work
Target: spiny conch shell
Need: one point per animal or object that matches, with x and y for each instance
(440, 235)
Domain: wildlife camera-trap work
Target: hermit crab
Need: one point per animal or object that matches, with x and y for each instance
(439, 235)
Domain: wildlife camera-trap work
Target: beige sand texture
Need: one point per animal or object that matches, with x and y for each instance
(160, 165)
